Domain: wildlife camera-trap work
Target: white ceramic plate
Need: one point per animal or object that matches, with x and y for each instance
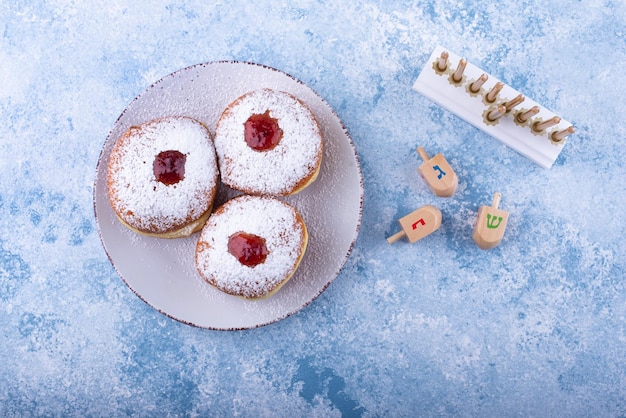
(162, 272)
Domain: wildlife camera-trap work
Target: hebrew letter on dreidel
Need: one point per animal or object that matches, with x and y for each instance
(416, 225)
(490, 224)
(420, 222)
(441, 172)
(438, 174)
(493, 221)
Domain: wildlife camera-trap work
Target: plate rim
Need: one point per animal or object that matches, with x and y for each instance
(100, 164)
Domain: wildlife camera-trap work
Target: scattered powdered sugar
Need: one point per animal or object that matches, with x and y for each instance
(276, 171)
(147, 204)
(267, 217)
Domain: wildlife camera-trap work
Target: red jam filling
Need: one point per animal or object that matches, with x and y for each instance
(169, 167)
(262, 132)
(249, 249)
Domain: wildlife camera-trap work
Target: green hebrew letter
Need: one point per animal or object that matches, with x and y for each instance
(491, 222)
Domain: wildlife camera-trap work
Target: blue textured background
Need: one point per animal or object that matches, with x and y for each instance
(534, 327)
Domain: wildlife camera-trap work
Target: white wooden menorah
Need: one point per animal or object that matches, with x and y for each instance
(494, 107)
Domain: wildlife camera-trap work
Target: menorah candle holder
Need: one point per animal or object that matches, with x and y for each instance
(494, 107)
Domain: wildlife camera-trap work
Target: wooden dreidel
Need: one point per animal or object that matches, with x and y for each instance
(438, 174)
(416, 225)
(490, 224)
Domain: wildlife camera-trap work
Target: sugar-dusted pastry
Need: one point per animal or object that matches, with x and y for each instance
(162, 177)
(251, 246)
(268, 143)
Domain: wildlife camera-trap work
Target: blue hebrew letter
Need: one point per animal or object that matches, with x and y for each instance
(441, 172)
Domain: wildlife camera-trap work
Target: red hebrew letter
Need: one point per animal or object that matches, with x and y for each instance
(421, 221)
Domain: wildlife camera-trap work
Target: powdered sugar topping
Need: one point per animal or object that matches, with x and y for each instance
(139, 198)
(267, 217)
(279, 170)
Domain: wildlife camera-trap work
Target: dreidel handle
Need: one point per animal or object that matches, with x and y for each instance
(496, 200)
(395, 237)
(422, 153)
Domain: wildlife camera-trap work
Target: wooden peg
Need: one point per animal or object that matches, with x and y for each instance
(539, 127)
(475, 86)
(457, 75)
(493, 93)
(495, 113)
(513, 102)
(416, 225)
(490, 224)
(438, 174)
(523, 115)
(442, 62)
(558, 136)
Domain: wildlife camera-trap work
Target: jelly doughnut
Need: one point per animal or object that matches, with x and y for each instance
(268, 143)
(251, 246)
(163, 176)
